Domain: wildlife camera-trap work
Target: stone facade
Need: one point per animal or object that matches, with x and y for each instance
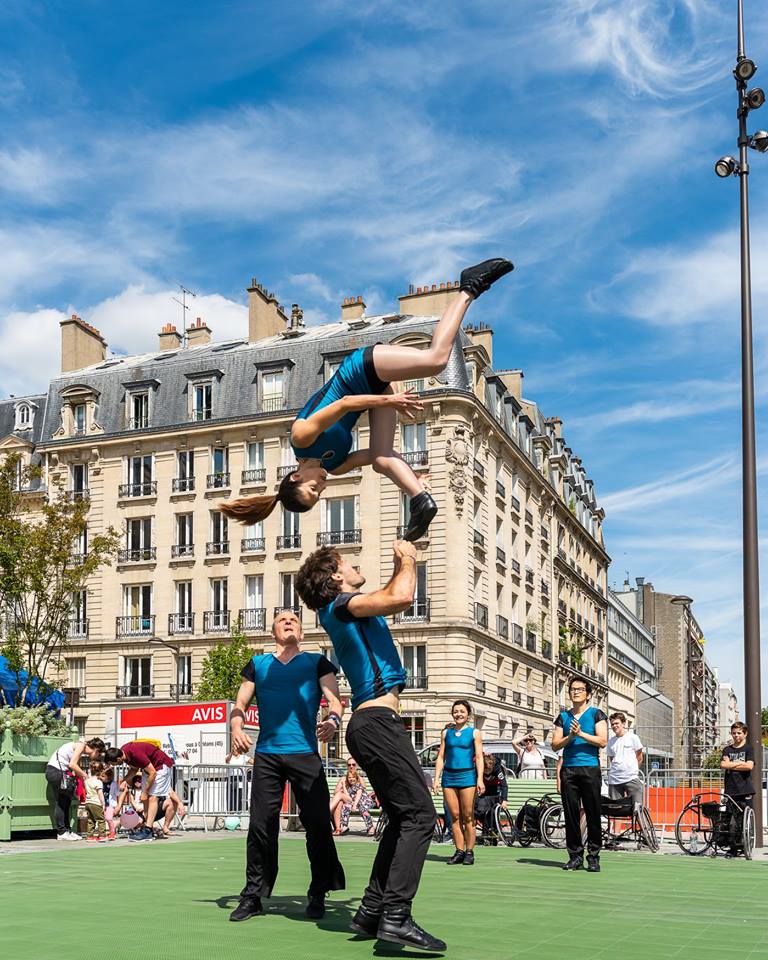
(512, 593)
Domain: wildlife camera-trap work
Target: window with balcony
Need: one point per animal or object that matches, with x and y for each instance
(419, 610)
(137, 678)
(414, 727)
(216, 620)
(184, 481)
(185, 541)
(219, 542)
(413, 444)
(202, 400)
(138, 541)
(76, 675)
(253, 538)
(183, 620)
(415, 663)
(219, 476)
(289, 599)
(139, 472)
(255, 470)
(137, 619)
(78, 478)
(253, 615)
(341, 522)
(138, 410)
(290, 539)
(78, 615)
(183, 685)
(273, 391)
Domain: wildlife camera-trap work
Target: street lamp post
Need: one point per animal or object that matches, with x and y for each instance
(748, 100)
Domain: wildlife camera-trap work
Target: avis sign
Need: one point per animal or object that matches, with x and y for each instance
(189, 732)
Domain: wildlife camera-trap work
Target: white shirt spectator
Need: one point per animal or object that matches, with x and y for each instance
(622, 752)
(532, 765)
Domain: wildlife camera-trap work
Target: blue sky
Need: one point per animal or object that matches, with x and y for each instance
(339, 148)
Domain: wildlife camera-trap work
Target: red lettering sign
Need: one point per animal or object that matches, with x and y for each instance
(178, 715)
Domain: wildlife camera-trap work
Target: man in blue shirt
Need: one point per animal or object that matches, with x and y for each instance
(580, 732)
(376, 735)
(288, 685)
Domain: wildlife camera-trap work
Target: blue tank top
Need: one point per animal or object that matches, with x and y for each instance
(365, 650)
(460, 749)
(579, 753)
(288, 696)
(355, 377)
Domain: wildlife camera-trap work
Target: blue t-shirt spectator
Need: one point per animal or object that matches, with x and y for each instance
(580, 753)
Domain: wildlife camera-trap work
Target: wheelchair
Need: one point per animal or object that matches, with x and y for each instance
(540, 820)
(494, 822)
(625, 821)
(711, 821)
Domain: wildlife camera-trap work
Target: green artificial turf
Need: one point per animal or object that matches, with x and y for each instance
(170, 901)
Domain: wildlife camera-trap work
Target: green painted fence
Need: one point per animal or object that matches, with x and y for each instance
(24, 803)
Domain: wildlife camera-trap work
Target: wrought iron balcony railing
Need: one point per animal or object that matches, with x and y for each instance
(142, 488)
(253, 619)
(254, 475)
(418, 612)
(182, 550)
(252, 545)
(141, 626)
(216, 621)
(289, 542)
(136, 554)
(181, 623)
(183, 485)
(332, 538)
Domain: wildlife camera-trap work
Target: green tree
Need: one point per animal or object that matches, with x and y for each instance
(713, 758)
(42, 568)
(220, 675)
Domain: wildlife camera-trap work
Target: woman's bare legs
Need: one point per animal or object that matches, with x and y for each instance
(384, 460)
(451, 797)
(403, 363)
(467, 809)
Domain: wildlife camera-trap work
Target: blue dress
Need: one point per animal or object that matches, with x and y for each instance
(460, 770)
(356, 375)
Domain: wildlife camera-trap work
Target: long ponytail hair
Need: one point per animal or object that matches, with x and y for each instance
(248, 510)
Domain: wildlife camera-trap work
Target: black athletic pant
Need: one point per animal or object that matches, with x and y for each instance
(377, 739)
(61, 801)
(580, 787)
(304, 772)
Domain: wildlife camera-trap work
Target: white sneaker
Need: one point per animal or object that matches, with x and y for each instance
(69, 835)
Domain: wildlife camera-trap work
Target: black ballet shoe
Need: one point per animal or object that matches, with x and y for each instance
(476, 280)
(400, 927)
(365, 922)
(423, 510)
(458, 857)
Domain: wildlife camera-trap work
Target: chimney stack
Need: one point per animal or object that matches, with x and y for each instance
(353, 308)
(198, 334)
(513, 381)
(296, 323)
(266, 317)
(428, 301)
(557, 425)
(170, 338)
(81, 344)
(482, 336)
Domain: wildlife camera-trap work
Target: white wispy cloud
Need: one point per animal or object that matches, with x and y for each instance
(672, 487)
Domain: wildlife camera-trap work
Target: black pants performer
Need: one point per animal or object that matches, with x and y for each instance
(580, 786)
(304, 772)
(377, 739)
(60, 799)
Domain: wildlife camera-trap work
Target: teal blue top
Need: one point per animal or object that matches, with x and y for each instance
(459, 749)
(579, 753)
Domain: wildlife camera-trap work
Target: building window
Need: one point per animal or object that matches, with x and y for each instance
(219, 598)
(184, 534)
(79, 478)
(138, 407)
(254, 592)
(288, 596)
(415, 729)
(138, 540)
(272, 391)
(202, 401)
(139, 478)
(331, 366)
(413, 437)
(183, 600)
(340, 517)
(415, 663)
(291, 537)
(185, 471)
(137, 677)
(137, 600)
(25, 416)
(184, 674)
(255, 457)
(76, 672)
(79, 417)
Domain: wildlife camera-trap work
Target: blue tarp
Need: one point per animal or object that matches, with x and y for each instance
(11, 683)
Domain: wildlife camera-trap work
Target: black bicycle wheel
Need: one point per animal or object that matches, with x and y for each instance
(552, 826)
(647, 829)
(693, 831)
(505, 828)
(748, 832)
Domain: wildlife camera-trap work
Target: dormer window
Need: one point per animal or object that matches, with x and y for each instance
(139, 410)
(203, 401)
(79, 411)
(25, 416)
(273, 391)
(78, 415)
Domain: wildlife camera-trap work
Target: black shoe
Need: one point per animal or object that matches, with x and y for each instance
(397, 927)
(365, 922)
(476, 280)
(315, 906)
(247, 908)
(423, 510)
(575, 863)
(458, 857)
(469, 858)
(593, 864)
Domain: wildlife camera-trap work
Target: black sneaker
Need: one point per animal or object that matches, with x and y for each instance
(458, 857)
(593, 864)
(247, 908)
(315, 906)
(469, 858)
(476, 280)
(575, 863)
(398, 927)
(423, 510)
(365, 922)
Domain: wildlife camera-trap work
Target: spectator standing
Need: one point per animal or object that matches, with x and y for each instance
(156, 781)
(62, 772)
(625, 754)
(738, 760)
(531, 766)
(580, 733)
(94, 803)
(459, 769)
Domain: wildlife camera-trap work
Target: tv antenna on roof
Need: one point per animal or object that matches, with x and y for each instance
(183, 304)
